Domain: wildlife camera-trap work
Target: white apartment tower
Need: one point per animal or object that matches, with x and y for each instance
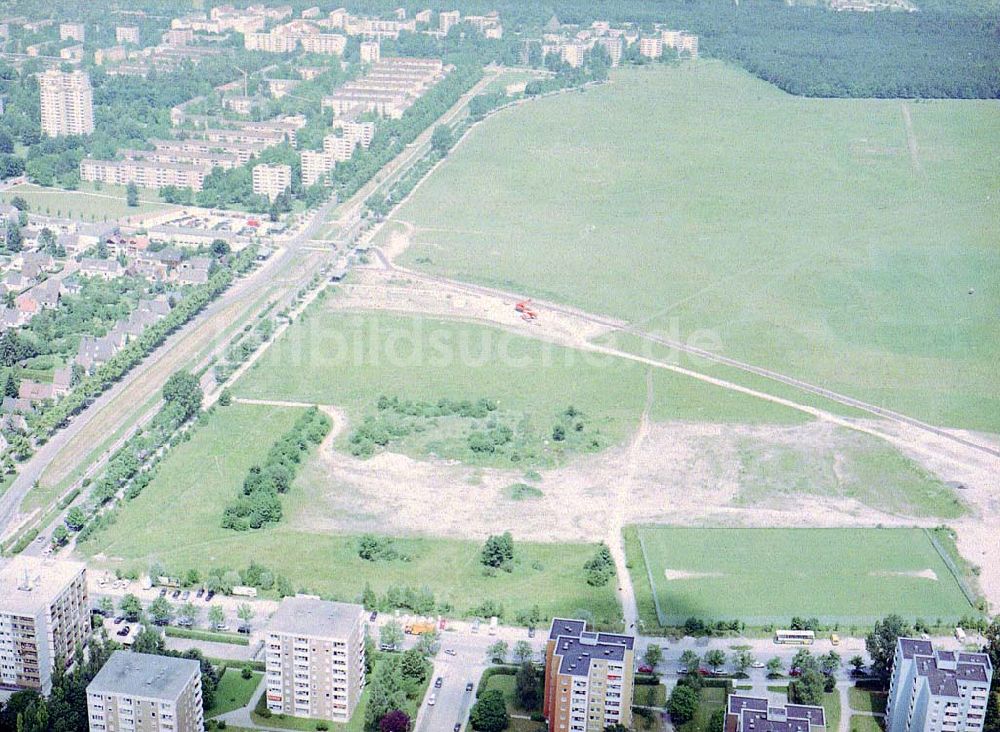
(67, 103)
(44, 617)
(141, 692)
(315, 658)
(937, 691)
(271, 180)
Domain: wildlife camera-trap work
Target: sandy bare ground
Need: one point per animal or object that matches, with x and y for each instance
(671, 476)
(680, 574)
(928, 574)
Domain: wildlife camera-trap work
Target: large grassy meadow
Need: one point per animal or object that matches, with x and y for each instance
(176, 521)
(846, 242)
(765, 576)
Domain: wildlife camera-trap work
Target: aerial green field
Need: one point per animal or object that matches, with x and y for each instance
(845, 242)
(349, 360)
(176, 521)
(87, 204)
(765, 576)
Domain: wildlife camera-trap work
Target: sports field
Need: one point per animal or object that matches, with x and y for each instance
(846, 242)
(765, 576)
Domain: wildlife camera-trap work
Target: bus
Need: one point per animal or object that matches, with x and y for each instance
(795, 637)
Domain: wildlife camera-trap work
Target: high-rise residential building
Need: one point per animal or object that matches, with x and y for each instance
(142, 692)
(315, 658)
(588, 678)
(67, 103)
(755, 714)
(127, 34)
(271, 180)
(447, 19)
(315, 165)
(651, 47)
(44, 617)
(72, 31)
(937, 691)
(613, 45)
(371, 52)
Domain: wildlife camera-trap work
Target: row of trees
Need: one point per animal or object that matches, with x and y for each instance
(258, 502)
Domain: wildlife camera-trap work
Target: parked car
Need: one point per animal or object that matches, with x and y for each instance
(757, 664)
(119, 619)
(645, 669)
(682, 671)
(432, 700)
(244, 629)
(201, 591)
(458, 727)
(163, 592)
(450, 652)
(175, 594)
(185, 595)
(221, 627)
(185, 622)
(795, 672)
(438, 682)
(209, 595)
(371, 618)
(123, 632)
(531, 632)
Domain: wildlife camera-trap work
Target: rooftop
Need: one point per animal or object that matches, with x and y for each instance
(29, 584)
(144, 675)
(753, 714)
(310, 616)
(577, 647)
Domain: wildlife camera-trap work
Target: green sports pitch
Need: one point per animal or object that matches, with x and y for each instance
(766, 576)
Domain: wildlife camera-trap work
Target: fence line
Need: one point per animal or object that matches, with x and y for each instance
(649, 577)
(971, 596)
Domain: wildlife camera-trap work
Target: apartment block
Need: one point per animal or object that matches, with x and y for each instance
(754, 714)
(145, 174)
(315, 658)
(270, 42)
(141, 692)
(72, 31)
(127, 34)
(271, 180)
(67, 103)
(588, 678)
(937, 691)
(613, 46)
(573, 54)
(329, 44)
(423, 16)
(651, 47)
(315, 165)
(371, 52)
(447, 19)
(177, 37)
(388, 89)
(44, 617)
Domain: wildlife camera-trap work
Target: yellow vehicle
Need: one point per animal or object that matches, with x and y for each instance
(835, 639)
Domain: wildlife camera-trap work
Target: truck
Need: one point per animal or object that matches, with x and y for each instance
(494, 623)
(420, 628)
(960, 635)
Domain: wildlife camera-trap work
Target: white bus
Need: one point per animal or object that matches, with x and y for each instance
(795, 637)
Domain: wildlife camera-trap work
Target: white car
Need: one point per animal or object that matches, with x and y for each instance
(450, 652)
(757, 664)
(432, 700)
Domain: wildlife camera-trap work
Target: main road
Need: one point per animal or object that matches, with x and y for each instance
(115, 411)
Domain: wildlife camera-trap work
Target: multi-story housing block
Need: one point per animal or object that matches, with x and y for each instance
(142, 692)
(145, 174)
(447, 19)
(271, 180)
(315, 658)
(44, 618)
(67, 103)
(315, 165)
(588, 678)
(371, 52)
(937, 691)
(754, 714)
(613, 46)
(72, 31)
(127, 34)
(329, 44)
(651, 47)
(177, 37)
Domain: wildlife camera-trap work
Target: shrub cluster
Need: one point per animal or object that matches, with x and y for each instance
(601, 567)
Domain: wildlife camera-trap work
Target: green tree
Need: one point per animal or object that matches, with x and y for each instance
(106, 604)
(807, 688)
(526, 687)
(774, 667)
(715, 658)
(498, 551)
(682, 704)
(132, 195)
(742, 660)
(159, 611)
(216, 616)
(60, 535)
(413, 665)
(11, 387)
(489, 713)
(183, 390)
(13, 239)
(497, 652)
(881, 643)
(442, 139)
(653, 655)
(190, 611)
(690, 661)
(368, 598)
(149, 640)
(220, 248)
(522, 651)
(858, 662)
(76, 518)
(390, 635)
(130, 607)
(385, 693)
(717, 722)
(829, 664)
(245, 613)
